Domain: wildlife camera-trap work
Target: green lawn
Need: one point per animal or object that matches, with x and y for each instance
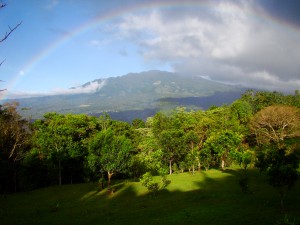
(212, 197)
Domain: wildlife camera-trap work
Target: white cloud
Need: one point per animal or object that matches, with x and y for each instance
(84, 89)
(228, 43)
(88, 88)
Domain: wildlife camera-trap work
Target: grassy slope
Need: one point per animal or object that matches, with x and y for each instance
(212, 197)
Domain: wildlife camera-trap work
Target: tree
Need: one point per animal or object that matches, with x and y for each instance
(138, 123)
(259, 100)
(150, 156)
(51, 142)
(222, 137)
(14, 131)
(223, 144)
(242, 110)
(170, 135)
(192, 139)
(14, 142)
(172, 142)
(61, 140)
(277, 132)
(109, 152)
(202, 128)
(275, 124)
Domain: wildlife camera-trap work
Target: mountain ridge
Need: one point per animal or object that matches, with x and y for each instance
(147, 90)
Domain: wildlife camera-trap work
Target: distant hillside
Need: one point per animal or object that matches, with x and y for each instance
(136, 92)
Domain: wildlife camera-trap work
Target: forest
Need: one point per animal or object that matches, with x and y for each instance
(261, 129)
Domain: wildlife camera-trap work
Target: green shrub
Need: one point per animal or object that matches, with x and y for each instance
(152, 186)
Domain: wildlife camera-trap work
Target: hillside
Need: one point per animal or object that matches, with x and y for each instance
(208, 197)
(151, 90)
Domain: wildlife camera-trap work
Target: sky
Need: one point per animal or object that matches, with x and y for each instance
(66, 43)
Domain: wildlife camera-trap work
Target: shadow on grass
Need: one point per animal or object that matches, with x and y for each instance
(216, 198)
(208, 197)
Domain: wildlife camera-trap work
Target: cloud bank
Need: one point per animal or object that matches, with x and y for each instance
(231, 42)
(90, 87)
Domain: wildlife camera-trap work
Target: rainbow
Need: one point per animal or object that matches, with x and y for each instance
(154, 4)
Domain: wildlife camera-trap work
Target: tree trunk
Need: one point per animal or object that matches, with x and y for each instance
(193, 166)
(223, 163)
(109, 175)
(282, 195)
(199, 165)
(59, 172)
(170, 166)
(15, 180)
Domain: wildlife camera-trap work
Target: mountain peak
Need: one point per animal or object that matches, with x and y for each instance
(152, 89)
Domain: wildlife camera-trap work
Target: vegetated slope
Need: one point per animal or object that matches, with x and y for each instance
(208, 197)
(134, 91)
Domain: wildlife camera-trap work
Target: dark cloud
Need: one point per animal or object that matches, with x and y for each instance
(287, 10)
(225, 42)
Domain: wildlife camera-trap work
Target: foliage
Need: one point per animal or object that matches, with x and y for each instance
(170, 137)
(109, 151)
(138, 123)
(281, 166)
(244, 156)
(277, 133)
(223, 144)
(59, 141)
(152, 186)
(262, 99)
(150, 155)
(242, 110)
(14, 143)
(276, 123)
(71, 148)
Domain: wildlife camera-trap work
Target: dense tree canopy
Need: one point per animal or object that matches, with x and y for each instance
(276, 123)
(14, 143)
(110, 153)
(60, 149)
(277, 131)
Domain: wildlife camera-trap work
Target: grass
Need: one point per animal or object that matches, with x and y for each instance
(208, 197)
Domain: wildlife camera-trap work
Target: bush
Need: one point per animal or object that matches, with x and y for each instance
(175, 168)
(164, 182)
(153, 187)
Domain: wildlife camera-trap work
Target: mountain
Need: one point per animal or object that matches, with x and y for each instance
(135, 94)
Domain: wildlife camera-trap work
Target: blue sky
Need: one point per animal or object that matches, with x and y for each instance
(66, 43)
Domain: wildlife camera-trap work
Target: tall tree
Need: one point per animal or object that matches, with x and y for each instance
(277, 131)
(192, 139)
(61, 139)
(275, 124)
(172, 142)
(14, 142)
(14, 131)
(149, 157)
(223, 144)
(259, 100)
(170, 135)
(109, 152)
